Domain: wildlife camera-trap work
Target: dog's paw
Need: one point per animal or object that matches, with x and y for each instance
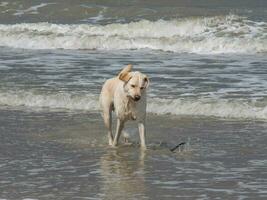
(110, 142)
(114, 146)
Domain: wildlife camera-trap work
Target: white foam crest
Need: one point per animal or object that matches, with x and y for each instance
(51, 101)
(31, 10)
(88, 102)
(228, 34)
(218, 108)
(3, 4)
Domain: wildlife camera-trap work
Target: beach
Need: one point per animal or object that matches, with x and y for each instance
(206, 62)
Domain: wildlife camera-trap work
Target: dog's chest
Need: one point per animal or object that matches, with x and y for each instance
(126, 110)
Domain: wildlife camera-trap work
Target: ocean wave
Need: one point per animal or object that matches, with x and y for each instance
(222, 34)
(219, 108)
(65, 101)
(88, 102)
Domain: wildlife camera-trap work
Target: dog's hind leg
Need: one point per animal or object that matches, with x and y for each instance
(107, 115)
(120, 125)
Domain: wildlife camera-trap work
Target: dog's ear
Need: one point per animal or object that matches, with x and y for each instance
(124, 75)
(146, 82)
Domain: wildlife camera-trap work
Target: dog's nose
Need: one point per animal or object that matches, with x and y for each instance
(137, 97)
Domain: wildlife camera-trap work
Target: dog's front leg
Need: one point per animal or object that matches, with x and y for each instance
(120, 125)
(142, 134)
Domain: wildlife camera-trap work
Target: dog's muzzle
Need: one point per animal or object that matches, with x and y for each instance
(137, 97)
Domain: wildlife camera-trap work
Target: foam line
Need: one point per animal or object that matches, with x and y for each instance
(202, 35)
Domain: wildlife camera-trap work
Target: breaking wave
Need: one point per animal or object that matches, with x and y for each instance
(87, 102)
(221, 34)
(52, 101)
(218, 108)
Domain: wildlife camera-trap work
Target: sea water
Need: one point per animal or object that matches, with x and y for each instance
(206, 61)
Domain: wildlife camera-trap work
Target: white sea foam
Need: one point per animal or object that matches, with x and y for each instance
(218, 108)
(31, 10)
(3, 4)
(52, 101)
(99, 17)
(228, 34)
(88, 102)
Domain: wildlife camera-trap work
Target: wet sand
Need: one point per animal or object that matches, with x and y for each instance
(61, 155)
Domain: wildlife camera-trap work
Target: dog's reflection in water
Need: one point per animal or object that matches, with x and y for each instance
(123, 173)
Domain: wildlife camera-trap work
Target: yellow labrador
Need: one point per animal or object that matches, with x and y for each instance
(126, 95)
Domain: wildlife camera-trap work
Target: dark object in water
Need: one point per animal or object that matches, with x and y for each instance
(174, 148)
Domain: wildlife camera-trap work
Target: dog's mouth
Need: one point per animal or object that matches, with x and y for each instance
(135, 98)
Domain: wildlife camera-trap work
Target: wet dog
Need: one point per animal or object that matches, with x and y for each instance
(125, 94)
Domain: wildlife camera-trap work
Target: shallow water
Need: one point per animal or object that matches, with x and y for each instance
(64, 156)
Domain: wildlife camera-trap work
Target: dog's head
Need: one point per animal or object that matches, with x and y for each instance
(135, 83)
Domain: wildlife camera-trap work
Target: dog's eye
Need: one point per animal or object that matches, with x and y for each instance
(133, 86)
(141, 88)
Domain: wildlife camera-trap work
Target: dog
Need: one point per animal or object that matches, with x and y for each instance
(125, 94)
